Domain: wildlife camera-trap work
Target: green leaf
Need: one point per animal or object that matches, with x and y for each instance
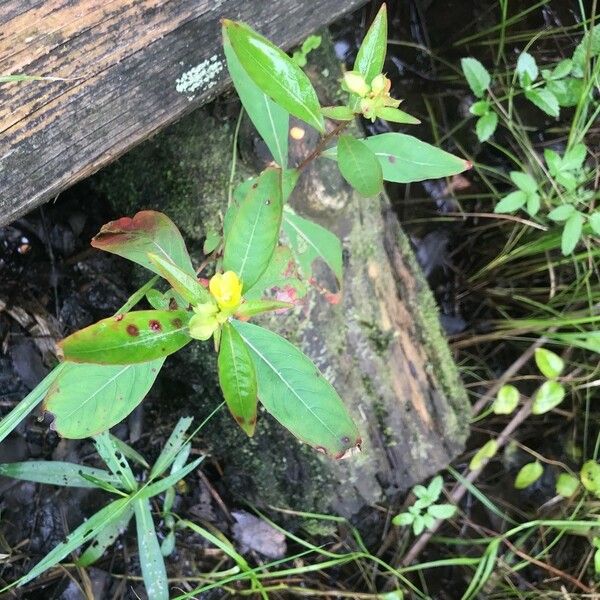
(295, 392)
(55, 472)
(237, 378)
(442, 511)
(553, 160)
(595, 222)
(172, 447)
(476, 75)
(562, 69)
(567, 91)
(310, 242)
(549, 395)
(147, 232)
(506, 401)
(566, 485)
(359, 166)
(512, 202)
(561, 213)
(589, 47)
(574, 158)
(418, 525)
(271, 121)
(528, 474)
(524, 181)
(115, 461)
(154, 571)
(211, 242)
(254, 231)
(420, 491)
(533, 204)
(371, 54)
(434, 489)
(78, 537)
(571, 233)
(338, 113)
(545, 100)
(526, 66)
(187, 286)
(135, 337)
(164, 484)
(105, 538)
(127, 451)
(403, 519)
(487, 451)
(480, 108)
(405, 158)
(550, 365)
(395, 115)
(485, 126)
(274, 73)
(590, 476)
(567, 180)
(252, 308)
(88, 399)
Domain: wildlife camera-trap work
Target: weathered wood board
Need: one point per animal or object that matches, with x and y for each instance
(127, 67)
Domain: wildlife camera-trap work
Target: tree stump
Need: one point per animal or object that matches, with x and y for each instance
(381, 346)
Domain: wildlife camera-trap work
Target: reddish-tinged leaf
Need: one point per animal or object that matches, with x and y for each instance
(147, 232)
(134, 337)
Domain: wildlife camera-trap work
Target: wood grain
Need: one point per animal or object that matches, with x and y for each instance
(118, 62)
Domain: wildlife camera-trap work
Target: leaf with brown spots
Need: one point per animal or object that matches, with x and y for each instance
(238, 378)
(135, 337)
(147, 232)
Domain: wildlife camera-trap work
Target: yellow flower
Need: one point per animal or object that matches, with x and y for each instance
(204, 323)
(356, 83)
(226, 289)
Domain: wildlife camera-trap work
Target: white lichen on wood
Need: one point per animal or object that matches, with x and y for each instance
(201, 77)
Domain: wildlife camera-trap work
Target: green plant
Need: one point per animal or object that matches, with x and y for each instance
(559, 190)
(133, 494)
(120, 356)
(425, 511)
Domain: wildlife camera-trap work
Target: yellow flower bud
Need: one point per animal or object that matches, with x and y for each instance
(226, 289)
(356, 83)
(203, 326)
(380, 86)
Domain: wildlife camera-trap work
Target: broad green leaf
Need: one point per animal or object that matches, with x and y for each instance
(154, 571)
(476, 75)
(567, 180)
(574, 158)
(486, 126)
(172, 447)
(567, 91)
(254, 231)
(87, 399)
(251, 308)
(55, 472)
(338, 113)
(211, 242)
(187, 286)
(590, 476)
(562, 69)
(294, 391)
(506, 401)
(237, 378)
(442, 511)
(526, 65)
(359, 166)
(550, 365)
(528, 474)
(487, 451)
(571, 233)
(78, 537)
(134, 337)
(524, 181)
(428, 520)
(271, 121)
(309, 242)
(147, 232)
(420, 491)
(281, 275)
(434, 489)
(553, 160)
(533, 204)
(371, 54)
(545, 100)
(403, 519)
(274, 73)
(589, 47)
(395, 115)
(115, 461)
(595, 222)
(566, 485)
(512, 202)
(480, 108)
(405, 158)
(561, 213)
(105, 538)
(418, 525)
(549, 395)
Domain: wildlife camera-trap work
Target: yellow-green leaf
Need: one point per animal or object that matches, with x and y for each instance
(528, 474)
(359, 166)
(371, 54)
(550, 364)
(487, 451)
(549, 395)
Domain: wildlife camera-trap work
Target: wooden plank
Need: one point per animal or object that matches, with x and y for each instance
(119, 62)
